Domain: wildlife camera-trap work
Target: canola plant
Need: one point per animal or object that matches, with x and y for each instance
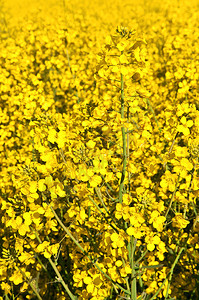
(99, 148)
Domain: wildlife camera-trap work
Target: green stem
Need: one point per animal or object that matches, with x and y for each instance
(133, 276)
(106, 183)
(36, 255)
(171, 271)
(97, 190)
(151, 108)
(80, 247)
(122, 96)
(173, 195)
(124, 143)
(33, 150)
(142, 256)
(170, 277)
(103, 215)
(59, 277)
(67, 54)
(190, 185)
(31, 285)
(171, 148)
(160, 288)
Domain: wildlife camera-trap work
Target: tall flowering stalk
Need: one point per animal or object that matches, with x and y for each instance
(120, 61)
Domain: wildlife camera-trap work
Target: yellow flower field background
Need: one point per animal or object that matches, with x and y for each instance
(99, 148)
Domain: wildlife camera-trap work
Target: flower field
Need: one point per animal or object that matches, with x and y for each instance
(99, 150)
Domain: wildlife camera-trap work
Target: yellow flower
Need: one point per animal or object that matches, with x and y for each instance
(152, 241)
(179, 222)
(184, 127)
(90, 144)
(16, 277)
(6, 288)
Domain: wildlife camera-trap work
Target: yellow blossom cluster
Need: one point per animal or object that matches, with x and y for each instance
(99, 150)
